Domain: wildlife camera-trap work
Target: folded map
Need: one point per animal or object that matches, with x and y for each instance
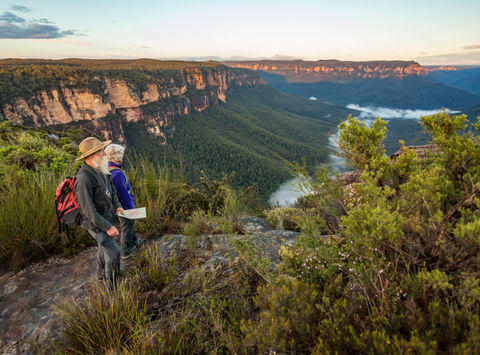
(135, 213)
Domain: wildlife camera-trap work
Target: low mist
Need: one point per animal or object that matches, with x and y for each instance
(288, 192)
(371, 112)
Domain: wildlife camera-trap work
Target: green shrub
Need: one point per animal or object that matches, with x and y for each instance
(152, 269)
(288, 318)
(198, 224)
(214, 304)
(400, 272)
(201, 222)
(284, 218)
(167, 198)
(28, 222)
(105, 322)
(215, 191)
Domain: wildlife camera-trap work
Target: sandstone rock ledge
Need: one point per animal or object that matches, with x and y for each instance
(27, 321)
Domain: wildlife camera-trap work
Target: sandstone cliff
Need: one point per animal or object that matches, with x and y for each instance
(164, 96)
(333, 70)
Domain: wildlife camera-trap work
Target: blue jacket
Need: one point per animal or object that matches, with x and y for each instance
(122, 185)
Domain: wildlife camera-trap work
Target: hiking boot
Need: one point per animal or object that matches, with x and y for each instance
(126, 256)
(128, 253)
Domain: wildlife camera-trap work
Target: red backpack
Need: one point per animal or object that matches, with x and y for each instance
(66, 203)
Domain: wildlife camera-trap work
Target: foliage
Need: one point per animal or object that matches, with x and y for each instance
(362, 145)
(323, 204)
(163, 192)
(31, 166)
(172, 203)
(284, 218)
(106, 322)
(153, 270)
(191, 311)
(288, 317)
(400, 271)
(198, 224)
(214, 191)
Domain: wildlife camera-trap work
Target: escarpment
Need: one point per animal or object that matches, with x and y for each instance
(296, 71)
(152, 92)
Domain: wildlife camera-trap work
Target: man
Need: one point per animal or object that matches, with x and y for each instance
(128, 240)
(98, 202)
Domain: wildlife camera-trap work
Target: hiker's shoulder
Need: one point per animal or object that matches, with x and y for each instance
(85, 172)
(116, 172)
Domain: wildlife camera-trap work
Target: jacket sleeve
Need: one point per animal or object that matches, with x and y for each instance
(119, 181)
(84, 192)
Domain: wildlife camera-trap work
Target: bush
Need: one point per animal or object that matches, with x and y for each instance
(152, 269)
(24, 239)
(284, 218)
(105, 322)
(400, 270)
(198, 224)
(288, 318)
(167, 198)
(200, 312)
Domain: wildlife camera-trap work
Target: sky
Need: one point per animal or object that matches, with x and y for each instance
(432, 32)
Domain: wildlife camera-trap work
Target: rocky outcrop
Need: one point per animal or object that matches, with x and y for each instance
(56, 106)
(28, 321)
(156, 104)
(296, 71)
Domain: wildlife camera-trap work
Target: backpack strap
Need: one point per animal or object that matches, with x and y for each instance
(112, 167)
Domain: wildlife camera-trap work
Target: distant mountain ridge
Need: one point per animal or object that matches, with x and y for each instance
(397, 84)
(296, 71)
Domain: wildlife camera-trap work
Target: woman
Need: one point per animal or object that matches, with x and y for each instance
(128, 240)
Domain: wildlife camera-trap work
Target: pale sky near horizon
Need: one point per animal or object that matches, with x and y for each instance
(428, 31)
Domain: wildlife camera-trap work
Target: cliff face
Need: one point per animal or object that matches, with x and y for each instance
(156, 103)
(333, 70)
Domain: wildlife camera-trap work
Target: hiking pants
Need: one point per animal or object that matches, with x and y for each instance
(128, 240)
(108, 257)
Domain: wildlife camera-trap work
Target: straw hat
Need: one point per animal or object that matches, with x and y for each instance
(91, 145)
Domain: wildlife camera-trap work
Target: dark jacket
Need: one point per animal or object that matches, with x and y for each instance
(122, 184)
(98, 209)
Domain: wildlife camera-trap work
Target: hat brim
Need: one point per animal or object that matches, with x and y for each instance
(93, 150)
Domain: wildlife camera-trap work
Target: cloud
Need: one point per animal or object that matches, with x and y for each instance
(45, 20)
(32, 31)
(473, 46)
(8, 17)
(20, 8)
(15, 27)
(139, 46)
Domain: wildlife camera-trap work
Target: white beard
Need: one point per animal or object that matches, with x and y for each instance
(101, 164)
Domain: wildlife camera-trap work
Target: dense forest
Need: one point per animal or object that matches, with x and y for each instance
(251, 134)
